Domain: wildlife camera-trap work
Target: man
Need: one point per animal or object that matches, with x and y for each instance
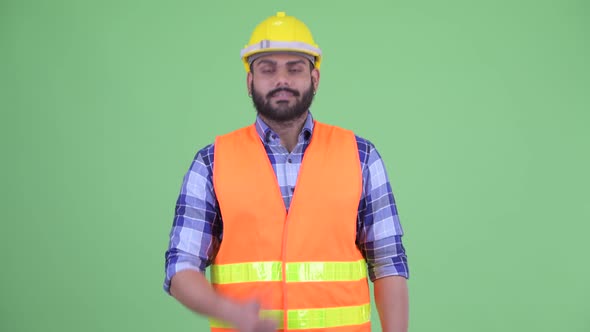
(291, 214)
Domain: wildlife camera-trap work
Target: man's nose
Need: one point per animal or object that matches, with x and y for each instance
(282, 78)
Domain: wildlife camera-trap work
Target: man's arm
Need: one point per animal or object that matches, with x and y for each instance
(380, 241)
(194, 241)
(391, 298)
(196, 230)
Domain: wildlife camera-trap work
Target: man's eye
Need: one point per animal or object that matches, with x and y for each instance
(267, 70)
(295, 70)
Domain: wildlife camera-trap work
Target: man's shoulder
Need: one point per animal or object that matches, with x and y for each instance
(364, 144)
(205, 154)
(365, 147)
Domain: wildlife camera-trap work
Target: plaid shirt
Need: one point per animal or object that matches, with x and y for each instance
(197, 229)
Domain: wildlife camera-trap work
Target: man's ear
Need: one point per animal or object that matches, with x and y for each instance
(249, 83)
(315, 78)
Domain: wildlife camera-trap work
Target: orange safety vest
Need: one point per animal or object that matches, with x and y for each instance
(303, 266)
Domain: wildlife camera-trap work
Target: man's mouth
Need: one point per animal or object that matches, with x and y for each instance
(283, 93)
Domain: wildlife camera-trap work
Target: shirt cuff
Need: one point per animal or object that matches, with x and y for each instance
(398, 266)
(181, 265)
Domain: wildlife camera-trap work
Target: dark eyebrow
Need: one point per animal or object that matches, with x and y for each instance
(263, 61)
(295, 62)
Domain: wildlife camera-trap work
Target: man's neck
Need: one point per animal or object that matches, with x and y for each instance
(288, 131)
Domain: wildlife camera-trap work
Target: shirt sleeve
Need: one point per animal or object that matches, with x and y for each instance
(196, 228)
(379, 231)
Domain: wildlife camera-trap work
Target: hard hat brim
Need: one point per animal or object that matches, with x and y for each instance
(268, 46)
(256, 56)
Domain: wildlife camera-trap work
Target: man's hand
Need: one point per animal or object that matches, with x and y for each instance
(248, 319)
(192, 289)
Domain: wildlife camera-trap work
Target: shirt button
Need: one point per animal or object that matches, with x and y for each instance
(292, 189)
(289, 160)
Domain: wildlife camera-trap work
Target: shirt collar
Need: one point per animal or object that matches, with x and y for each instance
(267, 135)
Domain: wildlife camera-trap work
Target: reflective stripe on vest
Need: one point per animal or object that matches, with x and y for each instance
(314, 318)
(296, 272)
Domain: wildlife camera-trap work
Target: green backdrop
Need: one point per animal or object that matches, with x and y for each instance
(479, 109)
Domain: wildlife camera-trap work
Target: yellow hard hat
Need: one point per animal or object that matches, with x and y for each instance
(281, 33)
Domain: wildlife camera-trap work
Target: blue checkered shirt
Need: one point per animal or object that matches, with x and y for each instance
(197, 229)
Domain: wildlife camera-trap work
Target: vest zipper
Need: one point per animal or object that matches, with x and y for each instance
(284, 271)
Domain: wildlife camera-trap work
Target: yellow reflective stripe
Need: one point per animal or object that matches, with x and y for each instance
(296, 272)
(326, 271)
(245, 272)
(314, 318)
(328, 317)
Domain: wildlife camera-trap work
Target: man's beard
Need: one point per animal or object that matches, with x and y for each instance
(283, 112)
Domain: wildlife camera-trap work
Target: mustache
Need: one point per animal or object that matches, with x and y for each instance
(277, 90)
